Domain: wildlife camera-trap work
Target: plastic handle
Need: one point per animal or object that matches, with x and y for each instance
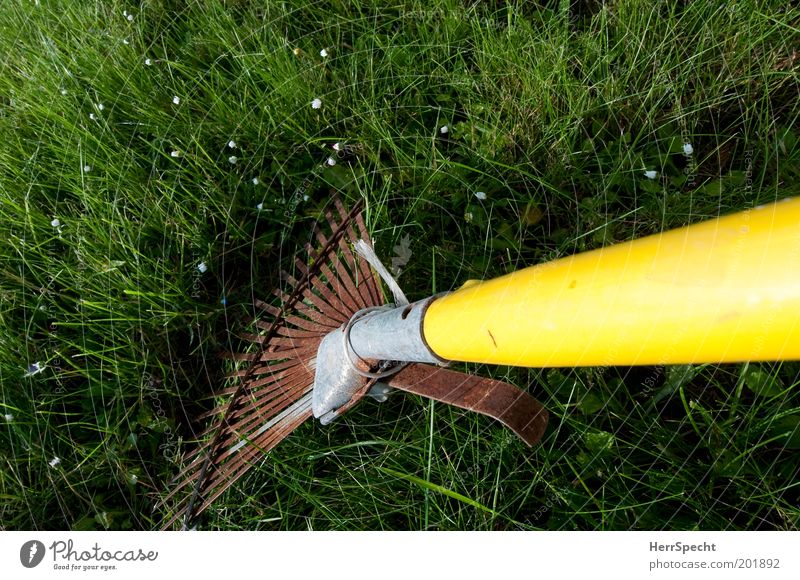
(724, 290)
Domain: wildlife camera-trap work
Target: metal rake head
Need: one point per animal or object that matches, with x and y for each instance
(302, 367)
(272, 396)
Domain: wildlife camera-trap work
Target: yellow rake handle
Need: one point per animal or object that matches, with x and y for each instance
(725, 290)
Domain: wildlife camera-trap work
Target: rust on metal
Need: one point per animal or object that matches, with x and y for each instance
(273, 394)
(272, 391)
(510, 405)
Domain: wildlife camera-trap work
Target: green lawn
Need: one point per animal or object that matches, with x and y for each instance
(144, 141)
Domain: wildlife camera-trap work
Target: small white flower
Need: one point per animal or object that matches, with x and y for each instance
(175, 153)
(54, 461)
(55, 223)
(305, 197)
(468, 217)
(297, 51)
(176, 100)
(444, 130)
(34, 369)
(87, 168)
(337, 146)
(124, 12)
(130, 17)
(323, 53)
(92, 117)
(63, 92)
(331, 161)
(100, 106)
(148, 62)
(481, 195)
(255, 181)
(134, 479)
(202, 267)
(688, 149)
(8, 417)
(233, 159)
(232, 144)
(260, 206)
(316, 104)
(125, 41)
(650, 174)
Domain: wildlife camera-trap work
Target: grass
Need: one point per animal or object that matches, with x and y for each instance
(554, 110)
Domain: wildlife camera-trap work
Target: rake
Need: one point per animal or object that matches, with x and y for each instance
(724, 290)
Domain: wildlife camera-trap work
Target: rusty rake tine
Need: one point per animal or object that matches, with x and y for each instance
(281, 374)
(263, 356)
(276, 386)
(207, 461)
(280, 342)
(309, 249)
(357, 270)
(251, 425)
(268, 368)
(267, 356)
(340, 293)
(331, 221)
(311, 325)
(295, 378)
(307, 311)
(293, 419)
(265, 408)
(277, 367)
(297, 321)
(326, 243)
(187, 476)
(269, 308)
(298, 354)
(318, 317)
(254, 338)
(210, 413)
(269, 394)
(245, 462)
(362, 228)
(252, 421)
(291, 347)
(235, 467)
(263, 324)
(210, 429)
(299, 333)
(269, 389)
(322, 305)
(184, 478)
(283, 382)
(327, 286)
(325, 270)
(312, 254)
(354, 211)
(239, 356)
(322, 240)
(220, 433)
(345, 268)
(367, 276)
(302, 267)
(220, 439)
(343, 215)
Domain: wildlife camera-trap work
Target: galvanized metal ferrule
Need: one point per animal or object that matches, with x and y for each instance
(393, 335)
